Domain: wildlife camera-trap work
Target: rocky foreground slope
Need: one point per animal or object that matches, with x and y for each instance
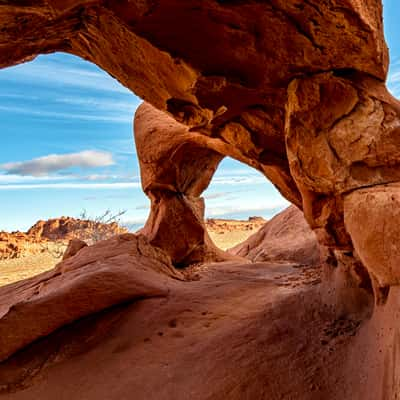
(118, 320)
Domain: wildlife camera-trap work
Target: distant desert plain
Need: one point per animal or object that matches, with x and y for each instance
(33, 252)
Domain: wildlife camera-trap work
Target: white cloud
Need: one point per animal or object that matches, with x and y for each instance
(42, 166)
(97, 177)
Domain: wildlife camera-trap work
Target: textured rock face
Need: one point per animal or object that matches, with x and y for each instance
(73, 247)
(67, 228)
(342, 135)
(243, 331)
(295, 89)
(16, 244)
(285, 238)
(175, 169)
(64, 229)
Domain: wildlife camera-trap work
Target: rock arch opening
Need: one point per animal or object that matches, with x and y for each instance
(238, 202)
(68, 148)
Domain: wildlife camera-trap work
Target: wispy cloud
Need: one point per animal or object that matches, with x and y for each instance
(143, 207)
(7, 179)
(239, 180)
(22, 96)
(57, 87)
(43, 166)
(63, 115)
(393, 81)
(97, 177)
(263, 206)
(217, 195)
(72, 185)
(100, 103)
(49, 72)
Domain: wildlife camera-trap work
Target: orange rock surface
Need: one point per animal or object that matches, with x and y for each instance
(295, 89)
(67, 228)
(285, 238)
(64, 229)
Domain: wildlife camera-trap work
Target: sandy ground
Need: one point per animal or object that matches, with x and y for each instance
(226, 240)
(228, 233)
(16, 269)
(224, 233)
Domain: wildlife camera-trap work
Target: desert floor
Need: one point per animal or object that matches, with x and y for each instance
(227, 233)
(16, 269)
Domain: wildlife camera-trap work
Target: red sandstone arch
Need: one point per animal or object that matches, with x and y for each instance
(293, 88)
(269, 81)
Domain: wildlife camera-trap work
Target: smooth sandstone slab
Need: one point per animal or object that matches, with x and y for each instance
(108, 273)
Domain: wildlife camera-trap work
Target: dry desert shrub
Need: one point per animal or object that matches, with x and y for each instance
(100, 227)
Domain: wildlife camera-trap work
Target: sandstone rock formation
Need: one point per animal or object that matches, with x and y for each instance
(73, 247)
(240, 94)
(67, 228)
(111, 272)
(295, 89)
(64, 229)
(257, 331)
(15, 244)
(285, 238)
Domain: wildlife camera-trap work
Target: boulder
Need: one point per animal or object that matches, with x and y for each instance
(73, 247)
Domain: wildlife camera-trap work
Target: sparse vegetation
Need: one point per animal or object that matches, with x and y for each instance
(102, 226)
(55, 249)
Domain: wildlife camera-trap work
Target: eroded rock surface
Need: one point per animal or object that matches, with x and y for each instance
(67, 228)
(176, 167)
(73, 247)
(257, 331)
(58, 231)
(97, 277)
(13, 245)
(295, 89)
(285, 238)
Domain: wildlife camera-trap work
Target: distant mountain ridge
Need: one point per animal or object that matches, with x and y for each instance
(63, 229)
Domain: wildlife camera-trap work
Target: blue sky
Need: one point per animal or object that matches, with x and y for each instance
(67, 145)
